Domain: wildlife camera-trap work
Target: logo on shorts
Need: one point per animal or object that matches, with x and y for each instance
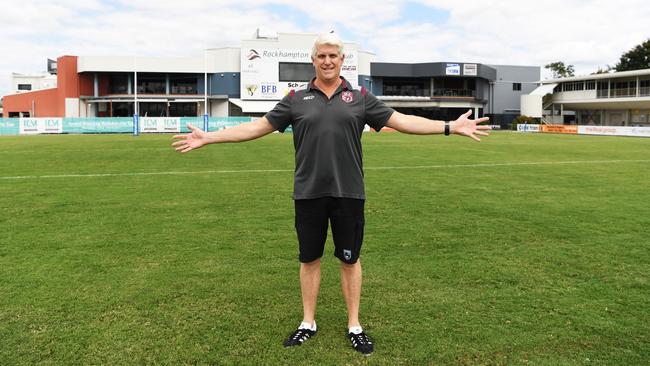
(347, 254)
(347, 96)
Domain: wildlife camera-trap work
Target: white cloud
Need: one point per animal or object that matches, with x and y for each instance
(586, 33)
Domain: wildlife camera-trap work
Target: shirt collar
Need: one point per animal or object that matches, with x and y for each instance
(345, 85)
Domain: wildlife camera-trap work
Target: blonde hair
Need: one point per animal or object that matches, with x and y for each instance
(327, 39)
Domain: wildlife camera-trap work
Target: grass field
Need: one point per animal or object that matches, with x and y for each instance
(525, 249)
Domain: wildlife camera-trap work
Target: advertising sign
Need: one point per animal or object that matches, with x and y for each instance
(160, 124)
(572, 129)
(614, 131)
(527, 128)
(470, 69)
(34, 126)
(9, 127)
(452, 69)
(261, 71)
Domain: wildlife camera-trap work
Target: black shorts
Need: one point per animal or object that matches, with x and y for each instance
(312, 218)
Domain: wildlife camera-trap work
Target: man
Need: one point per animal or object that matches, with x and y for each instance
(328, 118)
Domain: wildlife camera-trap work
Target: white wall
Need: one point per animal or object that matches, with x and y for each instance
(143, 64)
(219, 108)
(531, 105)
(72, 107)
(365, 58)
(574, 95)
(224, 59)
(38, 82)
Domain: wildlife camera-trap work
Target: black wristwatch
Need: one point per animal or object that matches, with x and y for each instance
(447, 128)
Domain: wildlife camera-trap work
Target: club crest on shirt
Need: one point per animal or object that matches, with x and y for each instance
(347, 96)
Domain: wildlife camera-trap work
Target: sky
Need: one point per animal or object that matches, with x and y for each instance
(588, 34)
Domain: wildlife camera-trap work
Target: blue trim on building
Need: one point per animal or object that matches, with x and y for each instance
(373, 83)
(224, 83)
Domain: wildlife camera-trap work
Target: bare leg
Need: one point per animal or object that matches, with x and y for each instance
(309, 285)
(351, 285)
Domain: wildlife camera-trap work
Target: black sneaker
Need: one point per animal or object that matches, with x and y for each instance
(361, 342)
(298, 337)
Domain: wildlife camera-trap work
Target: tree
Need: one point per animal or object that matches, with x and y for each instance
(636, 58)
(600, 70)
(560, 70)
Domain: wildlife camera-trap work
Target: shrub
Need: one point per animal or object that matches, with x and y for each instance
(524, 119)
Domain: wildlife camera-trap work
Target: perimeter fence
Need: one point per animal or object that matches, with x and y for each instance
(32, 126)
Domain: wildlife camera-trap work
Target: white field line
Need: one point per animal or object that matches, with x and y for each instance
(477, 165)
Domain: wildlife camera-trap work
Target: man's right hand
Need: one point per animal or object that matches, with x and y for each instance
(190, 141)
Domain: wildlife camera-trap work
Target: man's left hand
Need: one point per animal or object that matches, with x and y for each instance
(469, 127)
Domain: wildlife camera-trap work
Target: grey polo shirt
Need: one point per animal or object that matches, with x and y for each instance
(327, 138)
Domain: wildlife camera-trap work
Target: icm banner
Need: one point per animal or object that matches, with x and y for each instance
(452, 69)
(160, 124)
(34, 126)
(269, 73)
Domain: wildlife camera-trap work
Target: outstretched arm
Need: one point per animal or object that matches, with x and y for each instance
(240, 133)
(422, 126)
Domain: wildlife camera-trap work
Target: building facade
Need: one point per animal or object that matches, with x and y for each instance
(443, 90)
(249, 80)
(22, 83)
(611, 99)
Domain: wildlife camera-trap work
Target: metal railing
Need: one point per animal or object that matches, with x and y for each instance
(623, 93)
(454, 93)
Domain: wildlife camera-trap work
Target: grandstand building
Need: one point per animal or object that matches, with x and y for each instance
(250, 79)
(611, 99)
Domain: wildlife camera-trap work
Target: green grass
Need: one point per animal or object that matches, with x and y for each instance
(540, 264)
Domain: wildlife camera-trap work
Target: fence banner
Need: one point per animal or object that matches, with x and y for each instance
(614, 131)
(524, 127)
(98, 125)
(30, 126)
(572, 129)
(9, 126)
(160, 124)
(220, 123)
(33, 126)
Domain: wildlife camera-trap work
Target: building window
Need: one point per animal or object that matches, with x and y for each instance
(151, 84)
(413, 87)
(644, 87)
(577, 85)
(185, 109)
(122, 109)
(453, 87)
(516, 86)
(295, 71)
(602, 89)
(590, 85)
(24, 86)
(183, 85)
(118, 83)
(153, 109)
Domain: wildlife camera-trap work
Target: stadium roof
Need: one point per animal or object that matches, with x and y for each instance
(609, 75)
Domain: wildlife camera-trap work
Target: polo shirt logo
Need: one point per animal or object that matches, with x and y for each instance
(309, 97)
(347, 96)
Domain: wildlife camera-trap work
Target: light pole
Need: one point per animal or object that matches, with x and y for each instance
(136, 120)
(205, 90)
